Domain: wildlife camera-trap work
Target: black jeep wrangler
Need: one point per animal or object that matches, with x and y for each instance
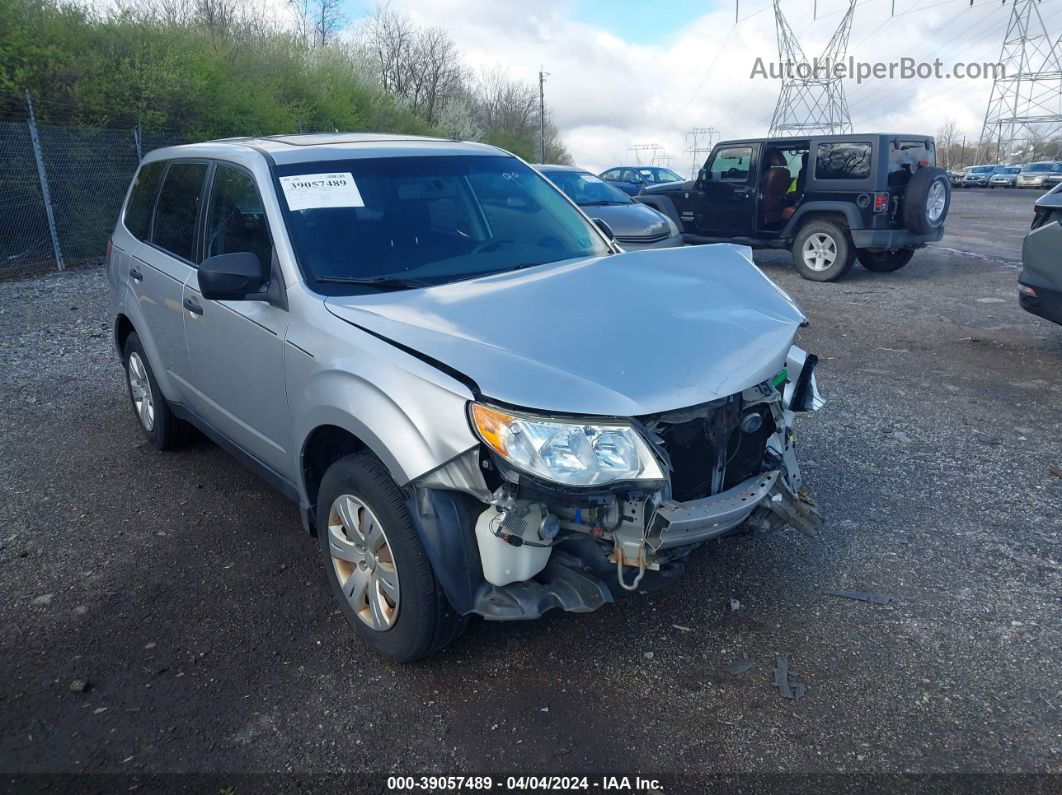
(827, 198)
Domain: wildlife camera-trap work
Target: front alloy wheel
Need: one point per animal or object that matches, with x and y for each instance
(363, 562)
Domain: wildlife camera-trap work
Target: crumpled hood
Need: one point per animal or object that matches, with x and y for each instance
(623, 335)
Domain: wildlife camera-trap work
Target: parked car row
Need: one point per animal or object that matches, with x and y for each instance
(1044, 174)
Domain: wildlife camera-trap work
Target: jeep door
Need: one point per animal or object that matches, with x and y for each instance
(159, 268)
(725, 201)
(237, 347)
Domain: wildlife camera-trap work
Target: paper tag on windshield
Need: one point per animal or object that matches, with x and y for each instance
(314, 191)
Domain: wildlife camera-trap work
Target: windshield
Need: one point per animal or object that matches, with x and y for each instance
(1010, 170)
(586, 190)
(426, 219)
(982, 169)
(1038, 167)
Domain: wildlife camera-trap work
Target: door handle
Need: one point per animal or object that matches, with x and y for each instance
(193, 306)
(135, 274)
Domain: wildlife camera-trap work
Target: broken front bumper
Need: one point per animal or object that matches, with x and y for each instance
(678, 524)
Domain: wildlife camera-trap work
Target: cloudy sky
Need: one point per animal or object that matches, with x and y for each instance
(626, 72)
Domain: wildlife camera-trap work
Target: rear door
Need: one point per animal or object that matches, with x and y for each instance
(236, 347)
(158, 270)
(726, 204)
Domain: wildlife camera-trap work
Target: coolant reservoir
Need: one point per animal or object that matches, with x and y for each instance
(502, 562)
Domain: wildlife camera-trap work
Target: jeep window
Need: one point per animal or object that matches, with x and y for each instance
(731, 165)
(432, 219)
(177, 208)
(911, 155)
(586, 190)
(138, 210)
(235, 218)
(842, 161)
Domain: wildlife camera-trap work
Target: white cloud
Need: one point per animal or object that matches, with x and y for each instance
(607, 94)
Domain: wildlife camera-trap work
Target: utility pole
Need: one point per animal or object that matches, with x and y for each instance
(812, 99)
(1026, 101)
(42, 174)
(542, 115)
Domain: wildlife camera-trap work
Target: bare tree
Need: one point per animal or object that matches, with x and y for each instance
(318, 22)
(947, 137)
(419, 66)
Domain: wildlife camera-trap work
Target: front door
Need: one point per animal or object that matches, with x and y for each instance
(237, 347)
(727, 194)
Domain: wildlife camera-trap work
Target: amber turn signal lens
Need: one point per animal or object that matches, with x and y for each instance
(492, 426)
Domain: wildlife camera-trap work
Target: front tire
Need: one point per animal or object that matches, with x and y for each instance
(885, 261)
(376, 565)
(822, 251)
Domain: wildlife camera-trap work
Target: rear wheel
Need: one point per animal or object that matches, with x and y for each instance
(885, 261)
(822, 251)
(376, 564)
(163, 430)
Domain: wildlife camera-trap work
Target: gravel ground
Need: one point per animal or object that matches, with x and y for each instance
(185, 594)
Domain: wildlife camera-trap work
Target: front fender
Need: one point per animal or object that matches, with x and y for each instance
(412, 425)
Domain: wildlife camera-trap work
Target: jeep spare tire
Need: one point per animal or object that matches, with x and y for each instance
(927, 200)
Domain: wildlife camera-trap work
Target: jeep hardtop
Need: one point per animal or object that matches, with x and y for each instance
(827, 198)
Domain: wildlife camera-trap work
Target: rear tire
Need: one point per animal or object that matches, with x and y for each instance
(822, 251)
(162, 430)
(376, 564)
(885, 261)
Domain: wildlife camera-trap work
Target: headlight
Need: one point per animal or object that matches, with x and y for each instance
(566, 451)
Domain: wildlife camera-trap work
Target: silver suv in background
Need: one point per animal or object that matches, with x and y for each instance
(480, 404)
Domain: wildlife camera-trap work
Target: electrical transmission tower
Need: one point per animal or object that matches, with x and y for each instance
(1025, 107)
(812, 99)
(640, 151)
(700, 143)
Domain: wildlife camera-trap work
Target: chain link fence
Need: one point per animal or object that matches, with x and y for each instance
(59, 200)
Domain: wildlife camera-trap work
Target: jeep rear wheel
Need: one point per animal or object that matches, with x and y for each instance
(376, 564)
(822, 251)
(885, 261)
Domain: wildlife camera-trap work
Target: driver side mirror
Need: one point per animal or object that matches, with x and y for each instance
(232, 277)
(703, 176)
(605, 228)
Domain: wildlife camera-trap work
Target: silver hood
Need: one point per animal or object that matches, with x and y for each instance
(623, 335)
(631, 221)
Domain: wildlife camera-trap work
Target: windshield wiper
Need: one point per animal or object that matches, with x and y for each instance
(379, 282)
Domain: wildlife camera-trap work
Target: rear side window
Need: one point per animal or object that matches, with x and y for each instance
(177, 208)
(842, 161)
(236, 220)
(138, 210)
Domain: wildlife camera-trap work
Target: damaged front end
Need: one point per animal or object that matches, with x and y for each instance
(562, 522)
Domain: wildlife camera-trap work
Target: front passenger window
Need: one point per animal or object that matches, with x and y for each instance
(236, 220)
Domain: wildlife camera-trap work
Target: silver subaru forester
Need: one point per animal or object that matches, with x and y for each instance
(480, 402)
